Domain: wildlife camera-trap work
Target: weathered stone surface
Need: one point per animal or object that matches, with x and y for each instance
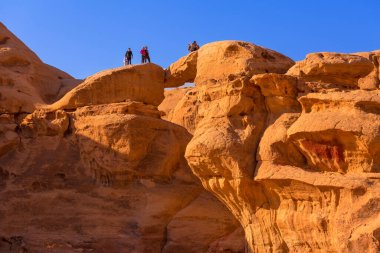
(346, 135)
(43, 123)
(182, 71)
(225, 139)
(372, 80)
(280, 92)
(184, 111)
(143, 146)
(313, 162)
(8, 138)
(172, 97)
(115, 179)
(100, 171)
(299, 169)
(341, 69)
(294, 157)
(225, 60)
(232, 59)
(25, 81)
(185, 236)
(224, 84)
(142, 83)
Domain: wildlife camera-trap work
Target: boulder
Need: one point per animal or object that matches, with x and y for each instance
(235, 59)
(336, 68)
(141, 83)
(142, 146)
(229, 60)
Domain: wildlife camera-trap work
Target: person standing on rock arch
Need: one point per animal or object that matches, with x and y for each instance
(143, 55)
(128, 57)
(147, 57)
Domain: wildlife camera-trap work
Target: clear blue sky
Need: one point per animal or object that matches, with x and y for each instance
(83, 37)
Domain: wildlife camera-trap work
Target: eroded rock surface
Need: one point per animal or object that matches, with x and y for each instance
(222, 74)
(371, 81)
(291, 149)
(25, 81)
(100, 171)
(182, 71)
(294, 156)
(341, 69)
(113, 180)
(143, 83)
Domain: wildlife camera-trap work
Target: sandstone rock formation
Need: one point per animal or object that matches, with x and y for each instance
(100, 171)
(180, 107)
(182, 71)
(233, 62)
(371, 81)
(291, 149)
(25, 80)
(294, 156)
(104, 183)
(137, 83)
(340, 69)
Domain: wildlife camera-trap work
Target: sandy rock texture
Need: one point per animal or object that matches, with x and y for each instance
(292, 153)
(222, 74)
(99, 170)
(142, 83)
(182, 71)
(264, 154)
(25, 81)
(113, 179)
(340, 69)
(371, 81)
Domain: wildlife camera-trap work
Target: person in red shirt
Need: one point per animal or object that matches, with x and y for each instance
(143, 55)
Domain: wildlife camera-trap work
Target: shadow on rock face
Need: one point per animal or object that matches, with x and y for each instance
(116, 181)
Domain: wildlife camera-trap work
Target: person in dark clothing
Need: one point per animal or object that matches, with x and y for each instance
(147, 57)
(143, 55)
(194, 46)
(128, 57)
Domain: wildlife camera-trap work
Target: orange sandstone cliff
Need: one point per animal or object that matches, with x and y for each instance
(98, 170)
(263, 155)
(292, 151)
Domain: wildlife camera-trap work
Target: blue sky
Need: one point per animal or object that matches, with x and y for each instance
(83, 37)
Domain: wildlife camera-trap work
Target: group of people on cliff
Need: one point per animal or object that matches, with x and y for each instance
(145, 57)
